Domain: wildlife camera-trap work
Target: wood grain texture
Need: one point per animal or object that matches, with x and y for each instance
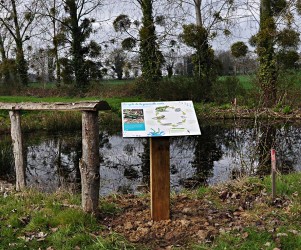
(17, 141)
(60, 106)
(89, 163)
(160, 178)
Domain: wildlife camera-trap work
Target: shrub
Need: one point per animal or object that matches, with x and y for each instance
(147, 88)
(176, 88)
(224, 91)
(289, 88)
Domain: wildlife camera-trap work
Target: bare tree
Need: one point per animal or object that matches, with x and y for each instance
(52, 11)
(4, 69)
(18, 18)
(210, 18)
(77, 28)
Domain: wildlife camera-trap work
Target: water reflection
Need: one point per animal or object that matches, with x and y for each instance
(267, 141)
(6, 158)
(221, 153)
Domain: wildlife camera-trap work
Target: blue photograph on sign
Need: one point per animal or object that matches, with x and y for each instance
(134, 127)
(133, 120)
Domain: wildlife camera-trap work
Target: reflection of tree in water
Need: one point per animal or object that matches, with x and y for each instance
(126, 165)
(207, 150)
(288, 145)
(145, 161)
(239, 142)
(121, 166)
(6, 159)
(286, 140)
(55, 162)
(129, 170)
(72, 148)
(266, 143)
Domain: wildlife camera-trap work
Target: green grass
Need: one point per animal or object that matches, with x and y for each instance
(245, 80)
(286, 185)
(115, 103)
(32, 220)
(117, 82)
(249, 239)
(52, 85)
(42, 85)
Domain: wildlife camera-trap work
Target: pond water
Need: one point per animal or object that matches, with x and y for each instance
(224, 151)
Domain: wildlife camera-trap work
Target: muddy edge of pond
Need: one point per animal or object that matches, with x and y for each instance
(243, 113)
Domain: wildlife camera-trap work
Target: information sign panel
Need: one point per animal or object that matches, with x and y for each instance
(152, 119)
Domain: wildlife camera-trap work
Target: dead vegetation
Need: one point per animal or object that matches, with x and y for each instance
(199, 219)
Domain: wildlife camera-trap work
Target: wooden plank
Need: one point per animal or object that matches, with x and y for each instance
(16, 135)
(60, 106)
(160, 178)
(89, 163)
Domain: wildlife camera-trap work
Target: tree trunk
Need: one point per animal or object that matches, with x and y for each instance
(81, 79)
(198, 14)
(151, 57)
(205, 57)
(20, 59)
(2, 49)
(56, 45)
(266, 54)
(89, 164)
(16, 135)
(5, 69)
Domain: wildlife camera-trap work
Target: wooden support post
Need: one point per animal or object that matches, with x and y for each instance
(16, 135)
(89, 163)
(273, 163)
(159, 178)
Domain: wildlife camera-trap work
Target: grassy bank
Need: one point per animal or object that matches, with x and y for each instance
(60, 121)
(68, 121)
(236, 215)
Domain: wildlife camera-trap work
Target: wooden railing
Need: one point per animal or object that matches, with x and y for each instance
(89, 163)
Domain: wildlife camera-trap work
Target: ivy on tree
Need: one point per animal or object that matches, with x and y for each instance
(151, 57)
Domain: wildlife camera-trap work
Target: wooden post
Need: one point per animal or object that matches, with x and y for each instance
(16, 135)
(159, 178)
(273, 163)
(89, 163)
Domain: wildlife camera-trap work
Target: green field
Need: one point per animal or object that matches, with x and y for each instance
(247, 81)
(49, 85)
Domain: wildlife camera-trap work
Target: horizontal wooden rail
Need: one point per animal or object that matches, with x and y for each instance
(59, 106)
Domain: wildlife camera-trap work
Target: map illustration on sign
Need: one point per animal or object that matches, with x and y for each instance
(151, 119)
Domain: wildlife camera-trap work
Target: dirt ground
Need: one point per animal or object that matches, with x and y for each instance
(193, 220)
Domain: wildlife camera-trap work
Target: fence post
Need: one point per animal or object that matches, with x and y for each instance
(89, 163)
(273, 163)
(159, 178)
(17, 141)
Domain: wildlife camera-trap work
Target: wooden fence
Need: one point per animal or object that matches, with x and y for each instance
(89, 163)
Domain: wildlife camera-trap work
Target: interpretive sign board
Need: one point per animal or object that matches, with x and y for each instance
(153, 119)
